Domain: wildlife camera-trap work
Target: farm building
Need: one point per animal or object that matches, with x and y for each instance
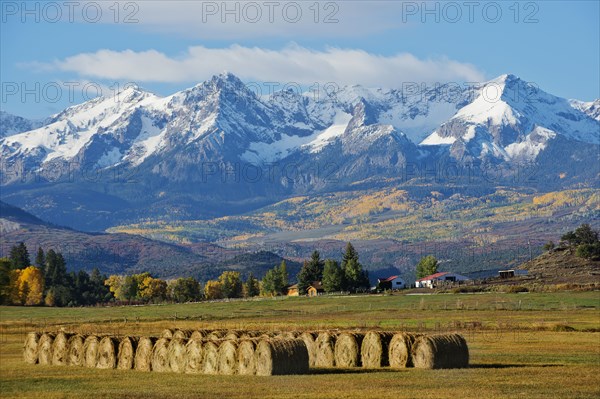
(434, 279)
(391, 283)
(315, 289)
(292, 290)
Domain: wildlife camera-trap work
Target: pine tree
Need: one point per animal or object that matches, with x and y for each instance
(352, 269)
(252, 287)
(332, 276)
(284, 274)
(312, 270)
(19, 256)
(40, 258)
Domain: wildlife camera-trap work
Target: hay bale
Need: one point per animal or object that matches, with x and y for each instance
(45, 349)
(76, 352)
(127, 352)
(309, 341)
(177, 355)
(90, 350)
(210, 362)
(400, 350)
(195, 356)
(216, 335)
(281, 357)
(167, 333)
(246, 357)
(374, 349)
(347, 349)
(232, 335)
(107, 353)
(228, 357)
(160, 355)
(182, 334)
(143, 354)
(60, 349)
(325, 349)
(288, 335)
(440, 352)
(30, 348)
(251, 334)
(199, 334)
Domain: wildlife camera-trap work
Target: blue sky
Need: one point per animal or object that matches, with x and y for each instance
(167, 46)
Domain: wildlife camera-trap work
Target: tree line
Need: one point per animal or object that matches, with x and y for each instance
(47, 282)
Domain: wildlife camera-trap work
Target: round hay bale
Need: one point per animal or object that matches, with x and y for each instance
(199, 334)
(195, 356)
(347, 349)
(160, 355)
(76, 352)
(325, 349)
(182, 334)
(281, 357)
(107, 353)
(288, 335)
(143, 354)
(90, 350)
(232, 335)
(177, 355)
(30, 348)
(210, 362)
(127, 351)
(251, 334)
(228, 357)
(374, 349)
(400, 350)
(309, 341)
(440, 352)
(45, 349)
(215, 335)
(60, 349)
(167, 333)
(246, 357)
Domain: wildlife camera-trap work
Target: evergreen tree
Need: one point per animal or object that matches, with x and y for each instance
(252, 287)
(353, 273)
(49, 270)
(283, 274)
(40, 259)
(332, 276)
(19, 256)
(312, 270)
(5, 288)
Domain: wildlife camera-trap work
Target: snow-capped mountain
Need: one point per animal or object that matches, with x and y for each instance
(218, 143)
(12, 124)
(512, 120)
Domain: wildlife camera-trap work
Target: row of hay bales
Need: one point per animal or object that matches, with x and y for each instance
(248, 352)
(375, 349)
(182, 353)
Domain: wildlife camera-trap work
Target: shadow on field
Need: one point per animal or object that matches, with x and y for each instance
(357, 370)
(509, 365)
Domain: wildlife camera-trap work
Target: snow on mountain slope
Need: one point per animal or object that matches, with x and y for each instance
(221, 120)
(13, 124)
(509, 119)
(71, 130)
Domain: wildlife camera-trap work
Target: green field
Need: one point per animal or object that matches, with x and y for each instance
(520, 344)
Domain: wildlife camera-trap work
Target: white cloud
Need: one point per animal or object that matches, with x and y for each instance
(290, 64)
(234, 20)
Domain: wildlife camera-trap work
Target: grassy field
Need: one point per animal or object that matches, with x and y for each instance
(519, 345)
